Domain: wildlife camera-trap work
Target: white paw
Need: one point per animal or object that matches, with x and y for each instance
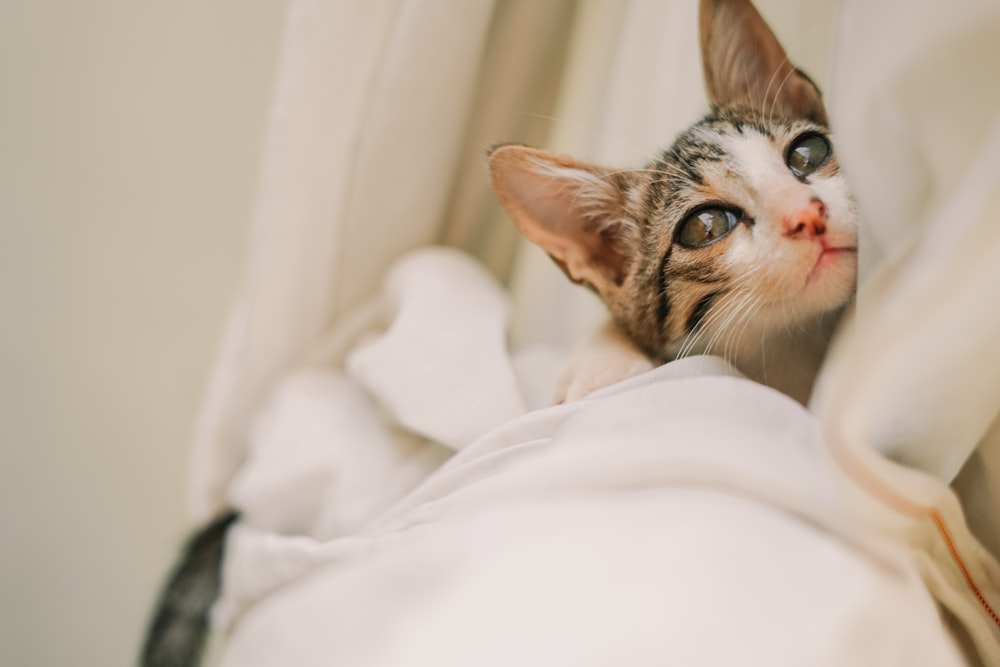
(606, 358)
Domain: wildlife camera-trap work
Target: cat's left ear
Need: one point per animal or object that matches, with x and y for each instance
(575, 211)
(745, 64)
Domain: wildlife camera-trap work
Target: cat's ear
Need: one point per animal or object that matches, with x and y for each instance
(744, 64)
(575, 211)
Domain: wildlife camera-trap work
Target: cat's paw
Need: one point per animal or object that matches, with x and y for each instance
(606, 358)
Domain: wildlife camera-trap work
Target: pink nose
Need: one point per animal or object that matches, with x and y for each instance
(808, 223)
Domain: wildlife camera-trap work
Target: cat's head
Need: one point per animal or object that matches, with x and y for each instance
(743, 226)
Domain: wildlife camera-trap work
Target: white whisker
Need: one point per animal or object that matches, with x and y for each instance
(723, 313)
(763, 101)
(777, 95)
(737, 316)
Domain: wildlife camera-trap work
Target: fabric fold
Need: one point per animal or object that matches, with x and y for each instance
(442, 368)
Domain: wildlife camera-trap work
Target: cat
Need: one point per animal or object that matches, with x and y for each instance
(739, 239)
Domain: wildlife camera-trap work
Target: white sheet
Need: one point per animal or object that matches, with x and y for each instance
(635, 527)
(908, 401)
(697, 489)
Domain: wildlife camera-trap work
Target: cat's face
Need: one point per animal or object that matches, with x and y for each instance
(743, 226)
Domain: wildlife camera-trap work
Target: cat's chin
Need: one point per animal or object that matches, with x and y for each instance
(831, 259)
(832, 279)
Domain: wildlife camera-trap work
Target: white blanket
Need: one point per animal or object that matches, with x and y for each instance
(685, 516)
(633, 527)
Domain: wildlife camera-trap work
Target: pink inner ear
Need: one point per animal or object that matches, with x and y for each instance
(537, 203)
(546, 204)
(566, 207)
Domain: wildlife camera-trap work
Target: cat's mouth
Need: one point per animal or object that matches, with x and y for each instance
(829, 256)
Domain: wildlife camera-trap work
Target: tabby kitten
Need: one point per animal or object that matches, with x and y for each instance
(740, 239)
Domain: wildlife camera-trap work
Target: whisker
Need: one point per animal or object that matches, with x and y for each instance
(726, 312)
(735, 317)
(746, 81)
(777, 95)
(763, 101)
(746, 320)
(695, 336)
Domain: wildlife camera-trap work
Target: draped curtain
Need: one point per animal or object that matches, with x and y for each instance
(383, 111)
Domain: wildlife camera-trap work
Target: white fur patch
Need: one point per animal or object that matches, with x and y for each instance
(781, 269)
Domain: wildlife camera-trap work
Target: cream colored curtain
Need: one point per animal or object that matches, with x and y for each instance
(383, 111)
(382, 114)
(917, 379)
(366, 136)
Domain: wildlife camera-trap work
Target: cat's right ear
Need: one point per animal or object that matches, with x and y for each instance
(572, 210)
(744, 63)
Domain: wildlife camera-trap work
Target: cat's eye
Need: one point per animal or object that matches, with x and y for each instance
(706, 226)
(807, 154)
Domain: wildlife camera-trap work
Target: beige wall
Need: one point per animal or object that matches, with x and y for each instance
(129, 140)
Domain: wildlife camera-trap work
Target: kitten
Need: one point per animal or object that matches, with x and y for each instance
(740, 239)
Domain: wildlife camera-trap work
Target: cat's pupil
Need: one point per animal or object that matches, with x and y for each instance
(808, 154)
(706, 226)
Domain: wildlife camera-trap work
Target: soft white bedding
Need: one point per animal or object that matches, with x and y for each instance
(634, 528)
(642, 524)
(638, 526)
